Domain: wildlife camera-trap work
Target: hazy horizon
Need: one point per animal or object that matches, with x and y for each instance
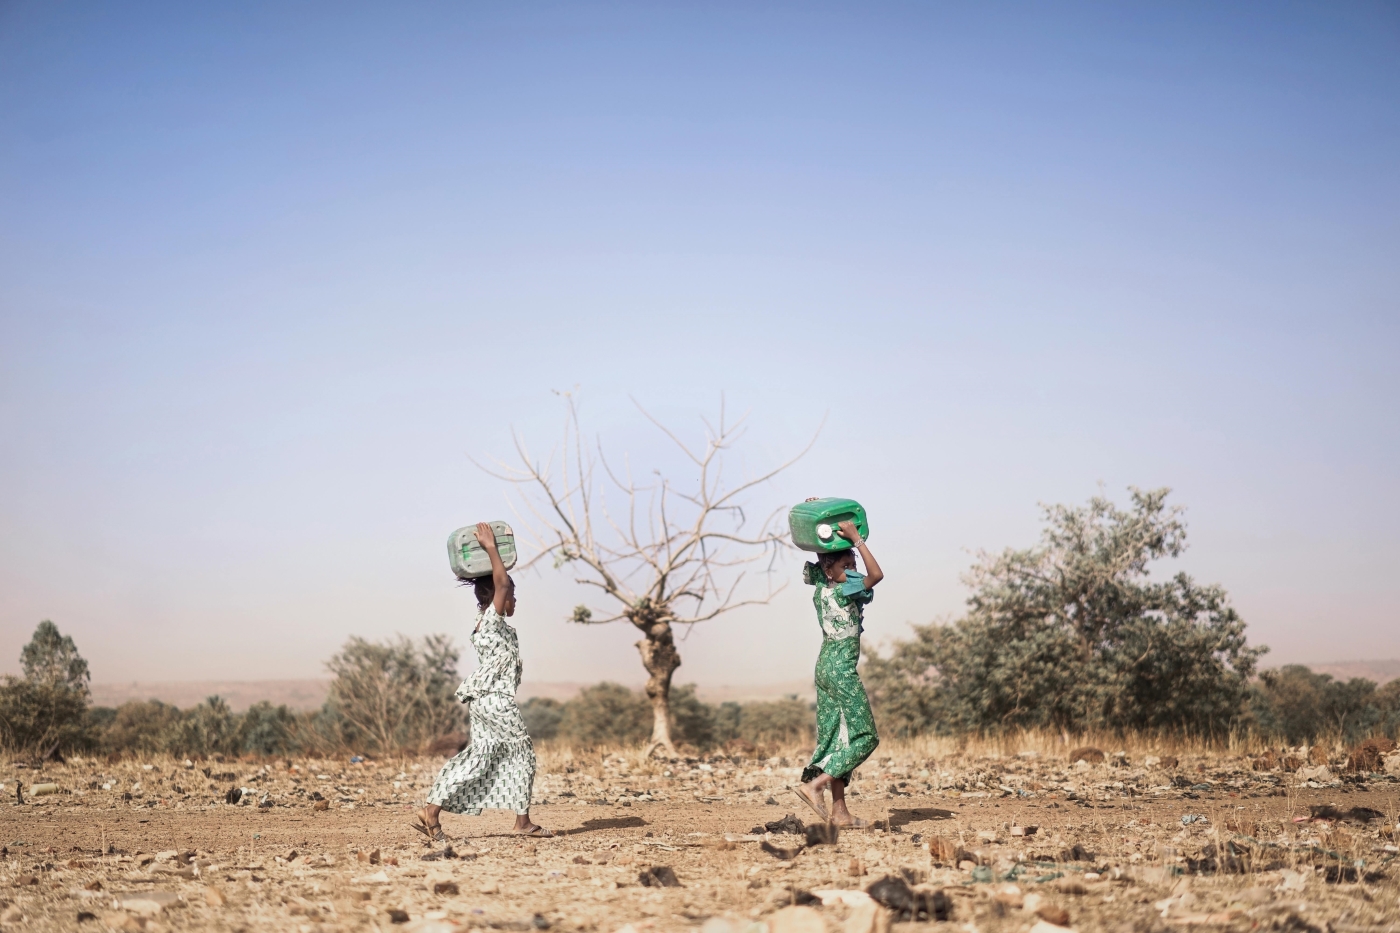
(269, 276)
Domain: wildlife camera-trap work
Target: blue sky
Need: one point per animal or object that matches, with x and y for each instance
(270, 274)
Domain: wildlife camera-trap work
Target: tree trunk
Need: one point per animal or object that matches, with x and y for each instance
(660, 658)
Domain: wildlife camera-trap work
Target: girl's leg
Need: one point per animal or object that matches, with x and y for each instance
(839, 814)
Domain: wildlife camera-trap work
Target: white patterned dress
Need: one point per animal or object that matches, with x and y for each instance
(497, 770)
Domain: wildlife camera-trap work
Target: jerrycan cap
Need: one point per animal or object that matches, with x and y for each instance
(824, 531)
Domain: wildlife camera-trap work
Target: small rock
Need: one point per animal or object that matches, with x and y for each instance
(321, 805)
(942, 850)
(214, 897)
(788, 824)
(1053, 913)
(855, 868)
(446, 887)
(1088, 754)
(1045, 926)
(1071, 885)
(490, 887)
(398, 916)
(659, 876)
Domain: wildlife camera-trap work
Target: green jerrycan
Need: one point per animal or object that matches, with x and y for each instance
(470, 560)
(814, 522)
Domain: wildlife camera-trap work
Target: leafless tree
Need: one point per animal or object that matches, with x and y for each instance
(667, 557)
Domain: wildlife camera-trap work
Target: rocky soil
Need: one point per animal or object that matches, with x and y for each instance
(981, 843)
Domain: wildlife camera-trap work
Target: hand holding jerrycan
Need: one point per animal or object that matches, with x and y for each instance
(469, 559)
(814, 522)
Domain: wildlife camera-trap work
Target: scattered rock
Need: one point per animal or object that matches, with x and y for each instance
(788, 824)
(1370, 755)
(1331, 813)
(659, 876)
(906, 904)
(1320, 774)
(1087, 754)
(1045, 926)
(398, 916)
(1053, 913)
(214, 897)
(448, 888)
(821, 834)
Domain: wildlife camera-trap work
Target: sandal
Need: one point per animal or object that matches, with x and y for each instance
(432, 830)
(816, 805)
(855, 823)
(539, 832)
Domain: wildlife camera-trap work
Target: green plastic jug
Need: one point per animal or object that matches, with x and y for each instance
(470, 560)
(814, 522)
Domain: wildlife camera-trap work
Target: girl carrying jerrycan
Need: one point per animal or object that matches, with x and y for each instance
(845, 727)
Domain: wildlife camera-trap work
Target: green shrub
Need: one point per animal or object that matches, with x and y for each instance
(606, 714)
(1073, 634)
(542, 716)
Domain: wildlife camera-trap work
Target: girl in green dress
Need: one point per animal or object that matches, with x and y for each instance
(845, 728)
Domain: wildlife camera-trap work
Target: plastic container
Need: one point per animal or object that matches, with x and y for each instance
(470, 560)
(813, 523)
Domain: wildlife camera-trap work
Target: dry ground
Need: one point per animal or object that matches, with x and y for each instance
(1118, 846)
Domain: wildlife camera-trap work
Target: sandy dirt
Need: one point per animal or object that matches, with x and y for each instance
(320, 845)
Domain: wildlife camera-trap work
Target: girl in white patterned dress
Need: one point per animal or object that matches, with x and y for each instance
(497, 770)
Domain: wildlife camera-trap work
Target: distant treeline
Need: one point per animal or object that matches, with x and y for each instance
(385, 699)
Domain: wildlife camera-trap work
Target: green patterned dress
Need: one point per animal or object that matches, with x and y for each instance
(845, 727)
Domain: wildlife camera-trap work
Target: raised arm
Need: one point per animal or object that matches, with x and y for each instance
(487, 539)
(873, 573)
